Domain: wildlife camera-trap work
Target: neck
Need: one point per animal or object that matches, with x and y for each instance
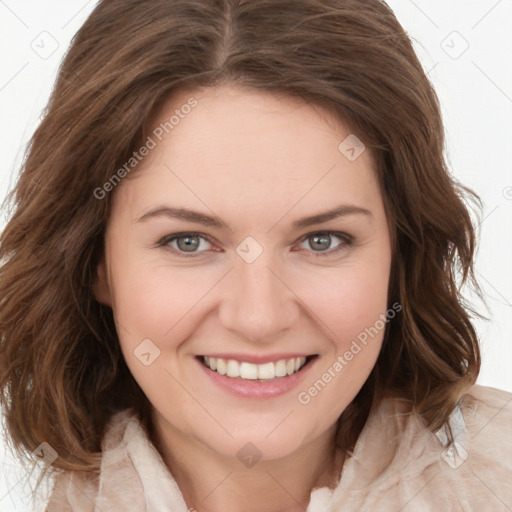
(211, 482)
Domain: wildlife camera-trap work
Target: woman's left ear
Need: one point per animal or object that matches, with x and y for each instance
(101, 288)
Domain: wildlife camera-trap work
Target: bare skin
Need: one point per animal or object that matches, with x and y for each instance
(258, 162)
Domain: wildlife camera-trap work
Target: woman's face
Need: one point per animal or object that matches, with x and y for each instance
(258, 274)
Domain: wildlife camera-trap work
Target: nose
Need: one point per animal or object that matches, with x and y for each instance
(258, 304)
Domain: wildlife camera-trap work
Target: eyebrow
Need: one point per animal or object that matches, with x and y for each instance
(213, 221)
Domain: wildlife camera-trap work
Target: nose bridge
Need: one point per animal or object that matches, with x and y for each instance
(258, 305)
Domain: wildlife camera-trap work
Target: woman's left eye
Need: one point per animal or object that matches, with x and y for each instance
(190, 244)
(322, 239)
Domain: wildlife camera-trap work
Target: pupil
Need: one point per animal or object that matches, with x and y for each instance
(189, 245)
(325, 238)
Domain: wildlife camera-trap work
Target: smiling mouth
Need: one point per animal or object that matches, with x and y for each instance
(249, 371)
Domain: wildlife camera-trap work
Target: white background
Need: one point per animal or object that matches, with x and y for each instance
(474, 86)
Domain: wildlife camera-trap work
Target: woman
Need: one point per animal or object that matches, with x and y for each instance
(231, 280)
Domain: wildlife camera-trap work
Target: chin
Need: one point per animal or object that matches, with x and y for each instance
(257, 443)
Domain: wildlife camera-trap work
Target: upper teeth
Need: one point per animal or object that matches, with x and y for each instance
(233, 368)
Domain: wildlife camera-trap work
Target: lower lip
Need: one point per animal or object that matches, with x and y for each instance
(259, 389)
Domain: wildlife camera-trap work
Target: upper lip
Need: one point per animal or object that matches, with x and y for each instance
(257, 359)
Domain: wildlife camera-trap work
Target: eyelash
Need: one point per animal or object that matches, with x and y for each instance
(346, 242)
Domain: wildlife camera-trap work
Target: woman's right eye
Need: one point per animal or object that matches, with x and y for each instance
(185, 243)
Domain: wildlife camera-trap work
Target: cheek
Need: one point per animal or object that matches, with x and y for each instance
(153, 300)
(351, 305)
(346, 301)
(157, 303)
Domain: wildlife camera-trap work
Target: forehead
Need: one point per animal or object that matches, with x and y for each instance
(262, 123)
(249, 148)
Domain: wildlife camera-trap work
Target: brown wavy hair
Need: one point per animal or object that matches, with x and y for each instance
(62, 373)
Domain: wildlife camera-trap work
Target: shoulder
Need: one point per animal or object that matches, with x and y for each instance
(399, 464)
(487, 414)
(487, 402)
(79, 490)
(132, 476)
(478, 464)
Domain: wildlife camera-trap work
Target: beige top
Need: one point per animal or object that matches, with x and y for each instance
(397, 465)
